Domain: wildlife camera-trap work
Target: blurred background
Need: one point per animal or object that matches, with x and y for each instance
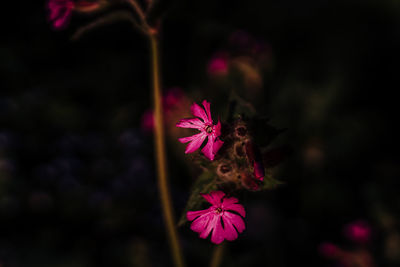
(77, 181)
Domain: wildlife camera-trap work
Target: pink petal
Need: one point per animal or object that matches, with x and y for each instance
(201, 223)
(236, 220)
(196, 143)
(190, 138)
(208, 110)
(191, 123)
(62, 21)
(218, 234)
(191, 215)
(213, 219)
(238, 208)
(217, 129)
(214, 197)
(199, 112)
(217, 145)
(259, 171)
(226, 202)
(55, 11)
(230, 232)
(208, 149)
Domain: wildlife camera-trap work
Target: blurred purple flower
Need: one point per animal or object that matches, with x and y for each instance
(60, 12)
(358, 231)
(218, 65)
(173, 100)
(204, 124)
(205, 221)
(328, 250)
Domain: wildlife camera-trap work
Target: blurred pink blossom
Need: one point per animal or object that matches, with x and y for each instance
(328, 250)
(358, 231)
(60, 12)
(209, 220)
(204, 123)
(218, 65)
(173, 101)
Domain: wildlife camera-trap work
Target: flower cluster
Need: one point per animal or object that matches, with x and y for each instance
(359, 232)
(239, 165)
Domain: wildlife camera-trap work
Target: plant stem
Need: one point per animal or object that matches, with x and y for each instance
(161, 160)
(217, 255)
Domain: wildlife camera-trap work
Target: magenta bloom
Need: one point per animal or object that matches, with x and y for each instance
(218, 65)
(358, 231)
(329, 250)
(204, 124)
(60, 12)
(222, 209)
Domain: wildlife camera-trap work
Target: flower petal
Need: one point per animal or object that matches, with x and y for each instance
(208, 110)
(218, 234)
(213, 218)
(217, 145)
(259, 171)
(231, 203)
(217, 129)
(228, 201)
(196, 143)
(191, 215)
(62, 20)
(191, 123)
(236, 220)
(201, 223)
(208, 149)
(238, 208)
(199, 112)
(190, 138)
(214, 197)
(230, 232)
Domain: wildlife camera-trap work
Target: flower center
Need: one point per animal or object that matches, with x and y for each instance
(218, 210)
(209, 129)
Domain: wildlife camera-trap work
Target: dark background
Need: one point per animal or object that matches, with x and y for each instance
(77, 181)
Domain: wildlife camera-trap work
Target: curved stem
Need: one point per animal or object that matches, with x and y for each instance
(138, 10)
(160, 154)
(216, 259)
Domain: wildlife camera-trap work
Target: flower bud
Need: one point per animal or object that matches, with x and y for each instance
(249, 182)
(255, 160)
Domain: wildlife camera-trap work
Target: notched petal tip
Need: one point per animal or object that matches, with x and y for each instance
(199, 112)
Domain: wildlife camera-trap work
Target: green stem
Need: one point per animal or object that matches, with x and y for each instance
(161, 159)
(216, 259)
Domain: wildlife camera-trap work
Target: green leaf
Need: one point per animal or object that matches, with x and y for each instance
(239, 107)
(270, 182)
(204, 184)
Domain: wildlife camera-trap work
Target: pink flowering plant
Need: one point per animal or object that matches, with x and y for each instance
(233, 154)
(235, 159)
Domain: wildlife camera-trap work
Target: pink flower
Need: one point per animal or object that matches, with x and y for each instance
(60, 12)
(358, 231)
(222, 209)
(204, 124)
(218, 65)
(329, 250)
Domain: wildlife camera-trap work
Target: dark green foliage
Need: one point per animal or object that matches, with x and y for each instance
(204, 184)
